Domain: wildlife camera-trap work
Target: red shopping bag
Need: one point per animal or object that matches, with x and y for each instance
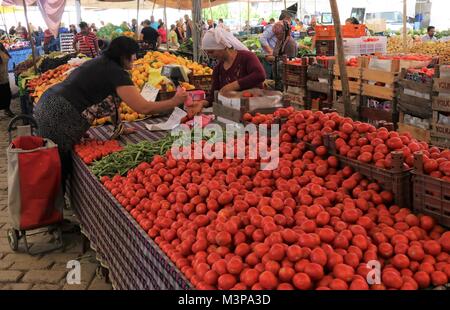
(34, 183)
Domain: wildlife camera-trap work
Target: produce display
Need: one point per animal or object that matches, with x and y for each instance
(92, 150)
(110, 31)
(149, 66)
(130, 157)
(308, 224)
(435, 49)
(41, 83)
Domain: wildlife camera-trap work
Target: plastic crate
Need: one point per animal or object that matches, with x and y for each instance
(294, 75)
(373, 47)
(396, 180)
(353, 31)
(325, 32)
(431, 195)
(325, 47)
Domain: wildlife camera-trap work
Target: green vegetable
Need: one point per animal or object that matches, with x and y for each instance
(131, 156)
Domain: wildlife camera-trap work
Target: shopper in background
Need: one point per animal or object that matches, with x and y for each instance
(73, 29)
(153, 23)
(5, 89)
(268, 39)
(21, 31)
(150, 36)
(211, 24)
(180, 32)
(247, 27)
(162, 33)
(93, 28)
(50, 43)
(238, 68)
(271, 21)
(134, 25)
(86, 41)
(430, 37)
(188, 26)
(173, 37)
(12, 30)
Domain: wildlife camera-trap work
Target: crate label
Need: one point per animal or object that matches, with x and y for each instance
(414, 93)
(442, 129)
(443, 102)
(444, 85)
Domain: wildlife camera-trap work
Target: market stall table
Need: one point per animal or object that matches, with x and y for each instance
(134, 260)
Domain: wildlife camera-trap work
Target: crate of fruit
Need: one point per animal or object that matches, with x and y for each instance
(230, 107)
(294, 72)
(431, 190)
(397, 179)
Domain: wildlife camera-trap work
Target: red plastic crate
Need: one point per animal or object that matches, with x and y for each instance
(353, 31)
(325, 32)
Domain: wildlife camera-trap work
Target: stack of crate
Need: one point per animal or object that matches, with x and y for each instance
(440, 134)
(415, 91)
(355, 85)
(319, 85)
(378, 91)
(294, 82)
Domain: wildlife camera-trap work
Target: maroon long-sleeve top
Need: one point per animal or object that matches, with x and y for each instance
(246, 69)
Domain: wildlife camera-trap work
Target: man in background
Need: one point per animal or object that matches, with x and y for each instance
(268, 39)
(86, 41)
(153, 23)
(188, 26)
(150, 36)
(430, 36)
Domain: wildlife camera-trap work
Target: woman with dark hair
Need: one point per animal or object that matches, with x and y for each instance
(60, 113)
(5, 89)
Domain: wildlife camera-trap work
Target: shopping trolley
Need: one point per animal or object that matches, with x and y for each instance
(35, 196)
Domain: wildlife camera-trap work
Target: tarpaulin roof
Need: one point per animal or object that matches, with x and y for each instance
(175, 4)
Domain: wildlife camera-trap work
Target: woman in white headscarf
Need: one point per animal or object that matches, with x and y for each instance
(238, 68)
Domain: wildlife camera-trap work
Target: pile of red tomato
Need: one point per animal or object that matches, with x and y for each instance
(357, 140)
(352, 62)
(92, 150)
(267, 119)
(226, 224)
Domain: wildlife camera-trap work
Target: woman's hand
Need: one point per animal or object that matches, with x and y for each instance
(234, 86)
(194, 109)
(180, 96)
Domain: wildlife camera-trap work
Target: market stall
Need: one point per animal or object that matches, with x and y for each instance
(133, 259)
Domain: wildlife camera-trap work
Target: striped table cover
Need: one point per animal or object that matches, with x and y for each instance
(134, 260)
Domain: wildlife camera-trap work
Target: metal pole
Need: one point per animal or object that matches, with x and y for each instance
(248, 11)
(404, 27)
(136, 32)
(165, 24)
(78, 11)
(33, 53)
(341, 58)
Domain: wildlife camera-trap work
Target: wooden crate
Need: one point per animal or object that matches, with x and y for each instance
(378, 115)
(441, 103)
(353, 73)
(294, 75)
(442, 86)
(383, 92)
(416, 132)
(440, 130)
(415, 104)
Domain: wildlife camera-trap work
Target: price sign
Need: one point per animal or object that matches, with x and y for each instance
(149, 92)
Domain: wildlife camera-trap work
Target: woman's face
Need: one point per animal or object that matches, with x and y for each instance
(128, 63)
(220, 55)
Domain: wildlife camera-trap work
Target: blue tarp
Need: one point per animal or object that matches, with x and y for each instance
(21, 55)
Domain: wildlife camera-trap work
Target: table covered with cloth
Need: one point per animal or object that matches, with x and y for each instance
(133, 259)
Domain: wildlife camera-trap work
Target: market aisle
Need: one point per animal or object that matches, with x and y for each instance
(21, 271)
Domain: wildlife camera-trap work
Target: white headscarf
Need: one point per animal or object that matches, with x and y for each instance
(220, 39)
